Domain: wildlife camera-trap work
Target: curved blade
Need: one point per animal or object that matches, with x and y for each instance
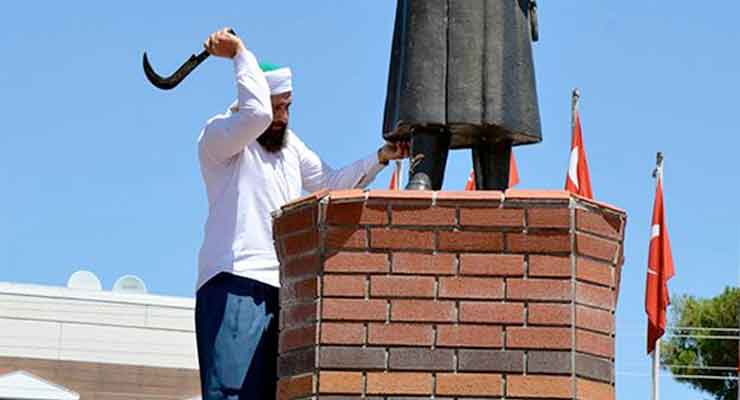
(167, 83)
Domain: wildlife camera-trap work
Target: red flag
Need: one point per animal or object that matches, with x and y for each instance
(513, 172)
(660, 271)
(470, 184)
(396, 178)
(513, 175)
(578, 179)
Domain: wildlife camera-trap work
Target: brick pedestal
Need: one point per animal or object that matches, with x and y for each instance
(483, 295)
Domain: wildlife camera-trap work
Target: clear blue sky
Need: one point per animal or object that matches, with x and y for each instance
(99, 170)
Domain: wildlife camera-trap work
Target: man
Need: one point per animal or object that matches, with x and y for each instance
(252, 164)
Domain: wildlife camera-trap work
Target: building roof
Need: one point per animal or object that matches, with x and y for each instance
(60, 323)
(23, 289)
(21, 385)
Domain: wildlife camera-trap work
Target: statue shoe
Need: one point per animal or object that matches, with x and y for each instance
(420, 181)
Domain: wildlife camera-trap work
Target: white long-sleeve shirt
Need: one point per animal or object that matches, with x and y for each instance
(245, 182)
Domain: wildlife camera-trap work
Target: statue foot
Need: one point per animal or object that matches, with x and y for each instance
(420, 181)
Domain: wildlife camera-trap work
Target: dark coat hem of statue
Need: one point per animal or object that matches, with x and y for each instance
(464, 67)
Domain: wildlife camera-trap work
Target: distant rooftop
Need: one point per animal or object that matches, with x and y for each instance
(61, 323)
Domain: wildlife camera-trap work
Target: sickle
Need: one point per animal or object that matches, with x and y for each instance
(167, 83)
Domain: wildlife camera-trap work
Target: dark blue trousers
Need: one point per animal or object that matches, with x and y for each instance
(236, 326)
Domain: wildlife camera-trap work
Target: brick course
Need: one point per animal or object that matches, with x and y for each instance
(492, 264)
(393, 295)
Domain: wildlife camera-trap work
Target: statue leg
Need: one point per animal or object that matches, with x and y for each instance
(491, 165)
(429, 149)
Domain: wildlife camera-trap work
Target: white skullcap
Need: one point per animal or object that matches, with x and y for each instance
(280, 80)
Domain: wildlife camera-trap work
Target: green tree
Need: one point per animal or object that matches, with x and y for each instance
(699, 353)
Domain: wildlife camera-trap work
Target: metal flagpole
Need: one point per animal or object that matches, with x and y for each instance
(658, 175)
(656, 371)
(397, 171)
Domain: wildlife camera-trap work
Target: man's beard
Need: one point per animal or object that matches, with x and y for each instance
(273, 139)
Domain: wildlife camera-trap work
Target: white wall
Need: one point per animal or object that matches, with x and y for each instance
(76, 325)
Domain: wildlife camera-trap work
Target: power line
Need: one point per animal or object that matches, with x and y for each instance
(701, 367)
(706, 337)
(685, 328)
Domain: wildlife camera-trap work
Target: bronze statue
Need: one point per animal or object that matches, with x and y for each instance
(462, 76)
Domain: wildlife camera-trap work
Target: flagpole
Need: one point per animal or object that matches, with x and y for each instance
(574, 107)
(658, 175)
(656, 371)
(397, 171)
(658, 171)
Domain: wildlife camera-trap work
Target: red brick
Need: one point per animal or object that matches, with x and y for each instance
(401, 239)
(492, 264)
(592, 295)
(415, 215)
(539, 338)
(485, 336)
(498, 313)
(431, 264)
(548, 218)
(609, 225)
(355, 214)
(549, 267)
(354, 310)
(344, 285)
(540, 242)
(295, 220)
(300, 267)
(471, 288)
(588, 390)
(402, 286)
(298, 315)
(402, 195)
(422, 311)
(450, 384)
(539, 289)
(400, 334)
(300, 243)
(551, 387)
(594, 344)
(487, 197)
(342, 333)
(311, 198)
(550, 196)
(471, 241)
(595, 272)
(595, 320)
(306, 290)
(357, 262)
(295, 387)
(550, 314)
(399, 383)
(347, 195)
(298, 338)
(340, 382)
(346, 238)
(601, 249)
(499, 217)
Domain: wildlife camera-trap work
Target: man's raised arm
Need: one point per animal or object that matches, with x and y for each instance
(318, 175)
(227, 135)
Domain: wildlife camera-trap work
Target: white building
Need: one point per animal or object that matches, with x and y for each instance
(60, 343)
